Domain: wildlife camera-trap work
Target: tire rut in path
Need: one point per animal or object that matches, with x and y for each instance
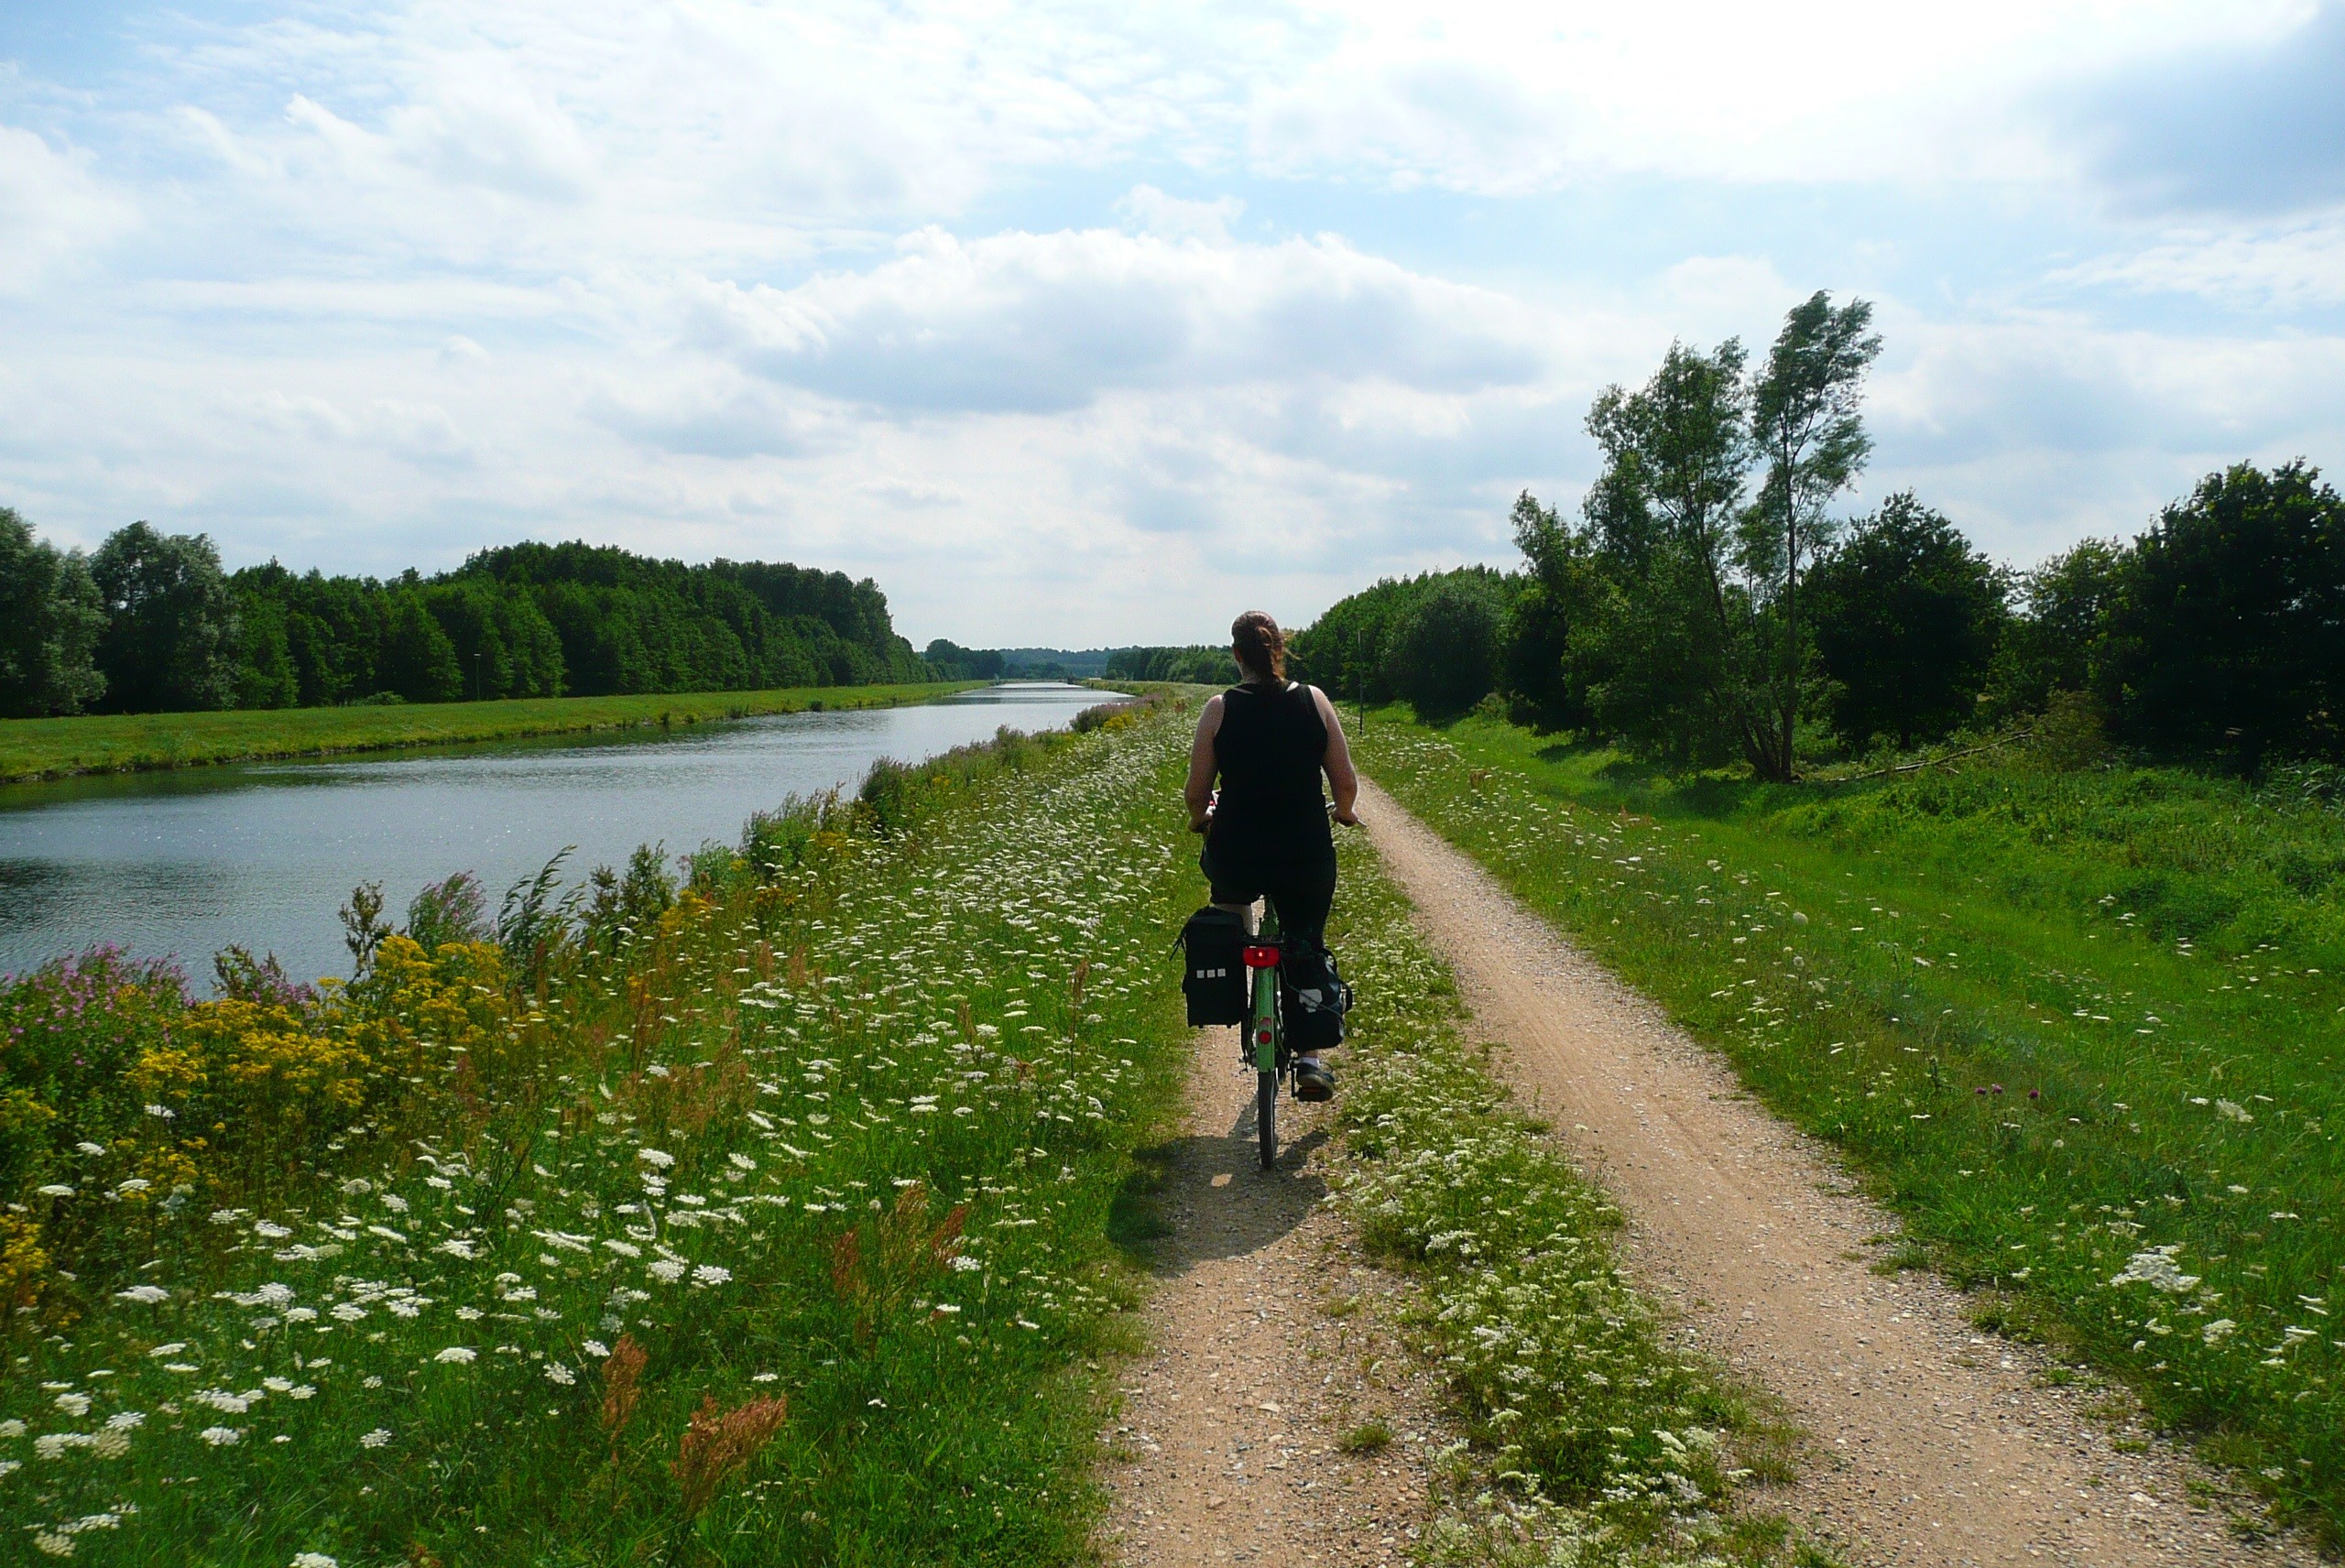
(1928, 1443)
(1226, 1447)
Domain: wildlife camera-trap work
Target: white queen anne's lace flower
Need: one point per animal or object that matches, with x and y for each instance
(375, 1439)
(458, 1355)
(659, 1159)
(709, 1274)
(667, 1271)
(222, 1436)
(147, 1295)
(2157, 1269)
(314, 1559)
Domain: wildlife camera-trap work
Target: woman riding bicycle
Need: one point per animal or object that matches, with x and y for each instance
(1269, 739)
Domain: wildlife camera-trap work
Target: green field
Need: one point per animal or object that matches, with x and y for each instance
(110, 743)
(2080, 1029)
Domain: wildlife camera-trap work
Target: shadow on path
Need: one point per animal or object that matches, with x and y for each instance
(1203, 1196)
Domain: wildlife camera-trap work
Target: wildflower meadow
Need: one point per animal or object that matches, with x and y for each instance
(2080, 1030)
(753, 1213)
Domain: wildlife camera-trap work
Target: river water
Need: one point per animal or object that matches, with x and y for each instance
(182, 863)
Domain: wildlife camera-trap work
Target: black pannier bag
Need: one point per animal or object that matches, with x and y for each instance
(1214, 977)
(1313, 998)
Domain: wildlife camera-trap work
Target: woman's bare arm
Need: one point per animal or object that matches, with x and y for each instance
(1199, 791)
(1343, 783)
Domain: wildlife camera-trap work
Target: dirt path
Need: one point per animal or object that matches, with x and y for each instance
(1270, 1338)
(1930, 1442)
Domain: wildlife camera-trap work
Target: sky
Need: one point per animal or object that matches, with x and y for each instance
(1084, 325)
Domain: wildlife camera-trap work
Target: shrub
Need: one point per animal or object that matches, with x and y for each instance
(1906, 617)
(1443, 656)
(2227, 641)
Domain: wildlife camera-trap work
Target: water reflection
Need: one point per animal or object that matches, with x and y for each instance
(264, 852)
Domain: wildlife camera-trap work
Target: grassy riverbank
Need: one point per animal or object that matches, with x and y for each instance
(2081, 1030)
(114, 743)
(757, 1220)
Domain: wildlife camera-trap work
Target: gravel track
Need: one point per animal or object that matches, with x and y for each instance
(1270, 1336)
(1927, 1442)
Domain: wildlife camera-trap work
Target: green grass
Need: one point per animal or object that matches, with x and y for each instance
(2080, 1030)
(114, 743)
(1583, 1426)
(843, 1124)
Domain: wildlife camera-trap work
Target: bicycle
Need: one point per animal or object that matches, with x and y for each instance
(1264, 1041)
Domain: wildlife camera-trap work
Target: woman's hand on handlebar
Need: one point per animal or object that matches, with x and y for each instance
(1337, 813)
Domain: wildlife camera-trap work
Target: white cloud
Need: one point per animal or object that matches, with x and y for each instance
(2252, 123)
(2295, 267)
(1045, 322)
(1513, 100)
(1151, 211)
(2034, 431)
(52, 211)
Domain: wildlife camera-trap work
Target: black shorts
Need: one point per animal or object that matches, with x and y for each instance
(1303, 892)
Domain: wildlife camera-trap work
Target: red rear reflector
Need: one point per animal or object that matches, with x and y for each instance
(1262, 958)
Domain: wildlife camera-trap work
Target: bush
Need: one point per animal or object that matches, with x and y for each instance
(1443, 653)
(1906, 619)
(2227, 641)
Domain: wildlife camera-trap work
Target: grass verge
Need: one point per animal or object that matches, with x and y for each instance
(121, 743)
(1590, 1439)
(2080, 1030)
(758, 1220)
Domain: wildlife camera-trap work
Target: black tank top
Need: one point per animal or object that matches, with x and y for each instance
(1269, 750)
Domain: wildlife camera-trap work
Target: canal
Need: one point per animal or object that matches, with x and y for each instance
(183, 863)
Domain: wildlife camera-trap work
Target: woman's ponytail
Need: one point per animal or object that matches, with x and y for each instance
(1260, 645)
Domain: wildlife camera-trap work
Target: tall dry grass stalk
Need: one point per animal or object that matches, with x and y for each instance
(622, 1378)
(717, 1443)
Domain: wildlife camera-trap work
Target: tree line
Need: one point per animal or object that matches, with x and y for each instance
(1708, 607)
(150, 622)
(1206, 666)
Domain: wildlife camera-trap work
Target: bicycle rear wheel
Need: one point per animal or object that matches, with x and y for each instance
(1266, 1118)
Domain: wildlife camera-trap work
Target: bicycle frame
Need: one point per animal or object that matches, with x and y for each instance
(1262, 962)
(1265, 1037)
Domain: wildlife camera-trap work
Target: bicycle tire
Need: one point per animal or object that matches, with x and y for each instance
(1266, 1118)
